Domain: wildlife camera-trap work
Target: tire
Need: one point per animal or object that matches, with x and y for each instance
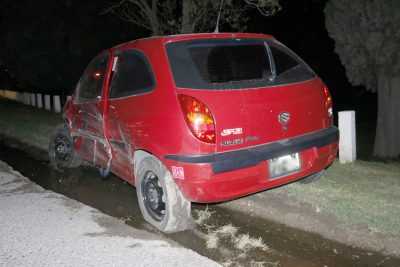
(161, 202)
(61, 149)
(312, 178)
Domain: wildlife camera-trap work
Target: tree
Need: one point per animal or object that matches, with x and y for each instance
(186, 16)
(367, 40)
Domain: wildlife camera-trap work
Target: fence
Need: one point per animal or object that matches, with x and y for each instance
(48, 102)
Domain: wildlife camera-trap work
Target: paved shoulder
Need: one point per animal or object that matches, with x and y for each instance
(42, 228)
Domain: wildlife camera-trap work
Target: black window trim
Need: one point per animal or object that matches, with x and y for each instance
(147, 62)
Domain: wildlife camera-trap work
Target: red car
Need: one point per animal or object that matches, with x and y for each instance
(198, 118)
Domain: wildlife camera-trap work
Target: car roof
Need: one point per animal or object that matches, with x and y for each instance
(193, 36)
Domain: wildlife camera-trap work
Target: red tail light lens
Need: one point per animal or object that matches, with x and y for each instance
(328, 101)
(199, 118)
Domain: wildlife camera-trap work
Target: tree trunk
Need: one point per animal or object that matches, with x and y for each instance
(387, 139)
(187, 6)
(153, 18)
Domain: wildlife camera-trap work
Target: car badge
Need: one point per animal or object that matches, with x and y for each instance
(284, 118)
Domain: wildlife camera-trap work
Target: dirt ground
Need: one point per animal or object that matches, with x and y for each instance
(280, 207)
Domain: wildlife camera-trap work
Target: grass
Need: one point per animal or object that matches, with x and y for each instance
(362, 193)
(28, 124)
(242, 242)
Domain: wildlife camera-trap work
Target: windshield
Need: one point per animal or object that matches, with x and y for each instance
(234, 64)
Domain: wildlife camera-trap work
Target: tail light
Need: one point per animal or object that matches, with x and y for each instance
(199, 118)
(328, 102)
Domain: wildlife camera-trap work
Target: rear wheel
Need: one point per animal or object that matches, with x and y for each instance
(61, 149)
(160, 200)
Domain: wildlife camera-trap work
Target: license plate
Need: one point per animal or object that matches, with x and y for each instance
(284, 165)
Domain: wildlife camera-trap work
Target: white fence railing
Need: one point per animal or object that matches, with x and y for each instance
(51, 102)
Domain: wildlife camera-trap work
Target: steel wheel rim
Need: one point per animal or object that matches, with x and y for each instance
(62, 149)
(153, 196)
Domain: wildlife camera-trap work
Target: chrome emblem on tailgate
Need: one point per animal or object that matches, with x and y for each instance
(284, 118)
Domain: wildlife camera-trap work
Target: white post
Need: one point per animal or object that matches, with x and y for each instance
(20, 97)
(39, 100)
(47, 103)
(33, 99)
(347, 143)
(57, 103)
(27, 99)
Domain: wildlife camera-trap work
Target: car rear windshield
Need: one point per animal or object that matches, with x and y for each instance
(234, 64)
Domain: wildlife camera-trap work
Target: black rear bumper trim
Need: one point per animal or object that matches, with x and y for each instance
(233, 160)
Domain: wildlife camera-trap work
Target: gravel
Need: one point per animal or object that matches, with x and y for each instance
(42, 228)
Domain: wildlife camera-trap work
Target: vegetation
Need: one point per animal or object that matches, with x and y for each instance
(362, 193)
(27, 124)
(367, 40)
(188, 16)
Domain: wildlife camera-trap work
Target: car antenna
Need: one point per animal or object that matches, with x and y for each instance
(219, 15)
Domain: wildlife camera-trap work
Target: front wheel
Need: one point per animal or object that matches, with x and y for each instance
(61, 149)
(160, 200)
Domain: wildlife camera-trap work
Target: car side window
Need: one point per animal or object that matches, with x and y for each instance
(91, 83)
(132, 74)
(283, 62)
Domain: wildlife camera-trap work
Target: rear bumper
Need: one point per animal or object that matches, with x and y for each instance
(225, 176)
(233, 160)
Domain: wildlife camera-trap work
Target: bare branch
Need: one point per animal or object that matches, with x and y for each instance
(265, 7)
(173, 16)
(111, 9)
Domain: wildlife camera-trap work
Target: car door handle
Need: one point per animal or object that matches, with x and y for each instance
(112, 107)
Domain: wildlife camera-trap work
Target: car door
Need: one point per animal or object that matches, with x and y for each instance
(88, 122)
(132, 79)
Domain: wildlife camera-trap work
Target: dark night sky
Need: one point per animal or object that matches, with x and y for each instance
(69, 33)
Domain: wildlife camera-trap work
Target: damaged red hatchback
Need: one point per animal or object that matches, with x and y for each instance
(198, 118)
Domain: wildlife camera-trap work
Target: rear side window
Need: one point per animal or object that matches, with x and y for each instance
(288, 67)
(132, 74)
(283, 62)
(234, 64)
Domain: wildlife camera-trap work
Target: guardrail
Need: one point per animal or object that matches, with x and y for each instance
(48, 102)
